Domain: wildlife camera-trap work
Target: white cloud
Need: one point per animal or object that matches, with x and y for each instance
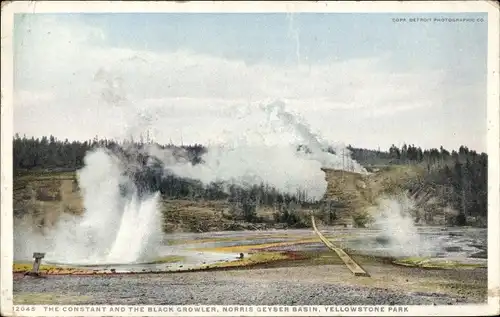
(72, 85)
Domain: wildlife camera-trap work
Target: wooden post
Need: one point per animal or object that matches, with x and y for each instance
(36, 265)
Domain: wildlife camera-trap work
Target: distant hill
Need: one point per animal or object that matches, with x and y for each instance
(449, 187)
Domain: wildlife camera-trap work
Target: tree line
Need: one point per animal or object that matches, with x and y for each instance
(48, 154)
(461, 174)
(461, 177)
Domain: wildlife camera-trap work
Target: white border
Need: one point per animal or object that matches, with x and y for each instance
(493, 136)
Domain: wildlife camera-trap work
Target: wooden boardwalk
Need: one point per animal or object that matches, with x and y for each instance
(349, 262)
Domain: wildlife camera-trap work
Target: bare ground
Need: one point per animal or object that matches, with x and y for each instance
(293, 285)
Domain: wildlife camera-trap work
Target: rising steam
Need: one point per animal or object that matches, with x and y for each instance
(393, 217)
(119, 225)
(254, 155)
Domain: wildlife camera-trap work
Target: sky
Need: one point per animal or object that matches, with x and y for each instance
(359, 79)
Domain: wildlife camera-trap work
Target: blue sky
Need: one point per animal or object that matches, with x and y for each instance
(269, 37)
(442, 64)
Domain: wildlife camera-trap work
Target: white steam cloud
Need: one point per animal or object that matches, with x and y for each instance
(118, 226)
(115, 227)
(393, 217)
(250, 156)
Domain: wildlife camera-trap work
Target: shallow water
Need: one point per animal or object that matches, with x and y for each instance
(457, 244)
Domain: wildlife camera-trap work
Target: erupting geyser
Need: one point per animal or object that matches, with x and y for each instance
(123, 225)
(118, 226)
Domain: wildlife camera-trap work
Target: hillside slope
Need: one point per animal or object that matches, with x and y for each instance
(42, 198)
(356, 193)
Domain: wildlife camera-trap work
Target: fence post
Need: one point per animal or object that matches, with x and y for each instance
(36, 265)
